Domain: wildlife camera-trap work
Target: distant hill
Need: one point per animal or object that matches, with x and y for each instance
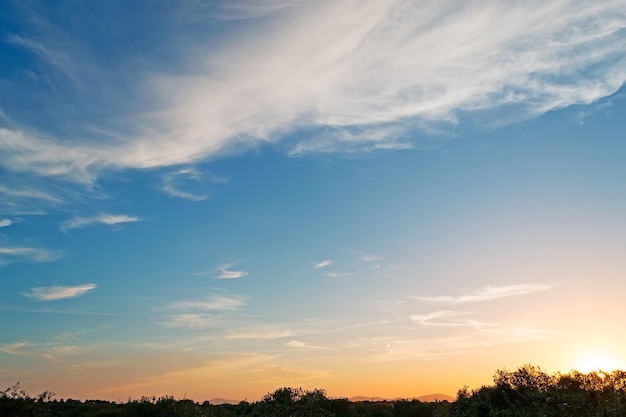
(439, 397)
(359, 398)
(220, 401)
(423, 398)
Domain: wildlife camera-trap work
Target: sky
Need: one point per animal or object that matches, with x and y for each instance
(382, 198)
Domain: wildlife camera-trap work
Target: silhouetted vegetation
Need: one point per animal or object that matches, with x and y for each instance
(525, 392)
(529, 391)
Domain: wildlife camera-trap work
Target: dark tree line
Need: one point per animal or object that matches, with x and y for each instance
(529, 391)
(284, 402)
(525, 392)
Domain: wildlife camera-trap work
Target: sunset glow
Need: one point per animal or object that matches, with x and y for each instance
(599, 360)
(216, 199)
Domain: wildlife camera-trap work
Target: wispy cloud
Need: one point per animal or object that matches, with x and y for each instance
(461, 337)
(190, 320)
(394, 67)
(245, 9)
(256, 335)
(392, 348)
(338, 274)
(27, 193)
(366, 257)
(5, 222)
(361, 325)
(354, 140)
(510, 331)
(170, 189)
(107, 219)
(10, 254)
(322, 264)
(303, 345)
(23, 150)
(59, 292)
(201, 313)
(226, 273)
(515, 332)
(49, 351)
(59, 59)
(488, 293)
(176, 183)
(215, 368)
(389, 64)
(26, 349)
(371, 258)
(223, 272)
(209, 303)
(443, 318)
(17, 348)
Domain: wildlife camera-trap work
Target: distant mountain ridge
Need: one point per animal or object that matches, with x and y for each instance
(424, 398)
(220, 401)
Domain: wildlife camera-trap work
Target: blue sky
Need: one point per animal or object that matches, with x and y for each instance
(376, 198)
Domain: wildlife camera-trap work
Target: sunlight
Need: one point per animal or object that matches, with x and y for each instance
(598, 360)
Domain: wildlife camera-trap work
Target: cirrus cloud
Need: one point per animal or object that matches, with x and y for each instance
(392, 68)
(209, 303)
(488, 293)
(10, 254)
(59, 292)
(5, 222)
(322, 264)
(107, 219)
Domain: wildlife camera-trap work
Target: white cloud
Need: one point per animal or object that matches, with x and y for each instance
(454, 336)
(17, 348)
(190, 320)
(391, 67)
(9, 254)
(59, 59)
(210, 303)
(174, 183)
(170, 189)
(226, 273)
(302, 345)
(443, 318)
(48, 351)
(488, 293)
(192, 313)
(59, 292)
(223, 272)
(22, 150)
(108, 219)
(379, 70)
(351, 140)
(512, 330)
(27, 350)
(515, 332)
(243, 9)
(322, 264)
(113, 219)
(266, 335)
(337, 274)
(27, 193)
(371, 258)
(5, 222)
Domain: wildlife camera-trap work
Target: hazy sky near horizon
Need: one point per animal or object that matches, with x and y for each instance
(392, 198)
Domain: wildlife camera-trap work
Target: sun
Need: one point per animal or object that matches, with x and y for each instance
(598, 360)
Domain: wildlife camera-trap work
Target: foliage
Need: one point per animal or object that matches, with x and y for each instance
(284, 402)
(529, 391)
(525, 392)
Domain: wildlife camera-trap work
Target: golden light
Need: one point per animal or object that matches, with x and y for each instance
(598, 360)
